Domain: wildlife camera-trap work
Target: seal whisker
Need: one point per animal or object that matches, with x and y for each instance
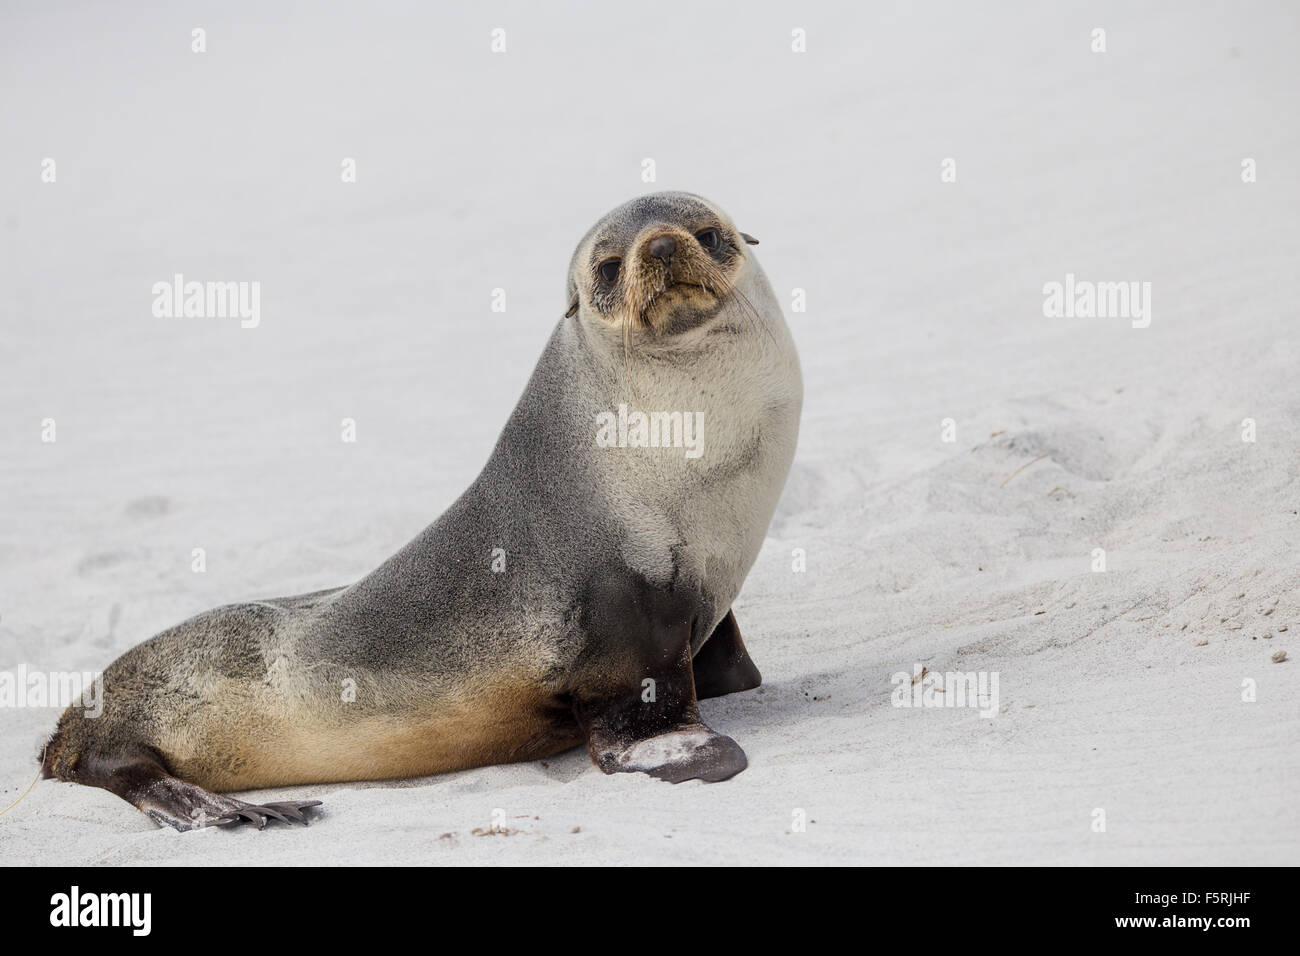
(731, 294)
(627, 354)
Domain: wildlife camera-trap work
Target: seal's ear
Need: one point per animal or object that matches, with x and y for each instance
(573, 308)
(749, 240)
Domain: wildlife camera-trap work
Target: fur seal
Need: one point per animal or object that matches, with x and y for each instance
(580, 589)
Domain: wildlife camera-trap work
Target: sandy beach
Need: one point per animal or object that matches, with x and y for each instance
(917, 178)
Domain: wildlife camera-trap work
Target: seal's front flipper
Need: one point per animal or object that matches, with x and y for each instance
(723, 666)
(654, 727)
(633, 686)
(692, 753)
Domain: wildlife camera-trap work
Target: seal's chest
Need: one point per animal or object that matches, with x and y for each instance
(701, 518)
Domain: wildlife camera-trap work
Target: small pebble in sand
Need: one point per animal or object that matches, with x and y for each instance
(1281, 629)
(493, 831)
(1200, 643)
(1279, 657)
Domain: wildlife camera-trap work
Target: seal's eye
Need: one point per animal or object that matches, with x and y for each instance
(709, 238)
(609, 270)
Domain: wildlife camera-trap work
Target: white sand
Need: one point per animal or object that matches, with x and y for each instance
(925, 302)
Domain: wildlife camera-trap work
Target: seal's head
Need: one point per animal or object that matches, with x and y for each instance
(665, 263)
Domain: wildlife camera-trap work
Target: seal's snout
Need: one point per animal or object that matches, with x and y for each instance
(662, 248)
(667, 262)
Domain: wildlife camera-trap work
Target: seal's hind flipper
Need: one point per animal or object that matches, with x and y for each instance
(137, 775)
(293, 809)
(290, 812)
(722, 665)
(172, 802)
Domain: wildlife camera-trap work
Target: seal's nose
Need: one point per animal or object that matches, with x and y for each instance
(662, 248)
